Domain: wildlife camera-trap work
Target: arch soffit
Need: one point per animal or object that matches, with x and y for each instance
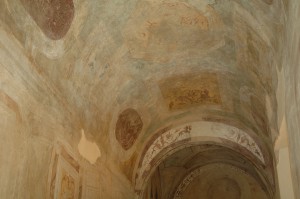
(189, 177)
(170, 140)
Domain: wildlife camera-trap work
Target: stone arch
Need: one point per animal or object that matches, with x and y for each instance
(170, 140)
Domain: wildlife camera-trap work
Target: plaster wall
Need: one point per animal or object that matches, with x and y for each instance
(111, 56)
(40, 136)
(290, 64)
(284, 174)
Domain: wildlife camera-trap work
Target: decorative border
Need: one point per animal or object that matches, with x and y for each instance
(240, 137)
(162, 142)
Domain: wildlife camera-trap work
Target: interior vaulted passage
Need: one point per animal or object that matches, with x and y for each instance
(148, 99)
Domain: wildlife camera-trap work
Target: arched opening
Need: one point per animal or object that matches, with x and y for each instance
(197, 144)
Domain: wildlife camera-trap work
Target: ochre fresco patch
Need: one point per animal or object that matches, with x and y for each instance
(191, 90)
(67, 190)
(54, 17)
(128, 128)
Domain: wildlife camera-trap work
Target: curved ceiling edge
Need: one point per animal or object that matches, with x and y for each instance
(168, 139)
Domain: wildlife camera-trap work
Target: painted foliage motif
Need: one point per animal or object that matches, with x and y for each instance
(162, 142)
(241, 138)
(191, 90)
(129, 126)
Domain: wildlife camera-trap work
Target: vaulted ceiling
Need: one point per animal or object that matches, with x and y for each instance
(130, 72)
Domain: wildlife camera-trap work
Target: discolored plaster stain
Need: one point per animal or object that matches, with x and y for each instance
(11, 104)
(191, 90)
(129, 126)
(87, 149)
(53, 17)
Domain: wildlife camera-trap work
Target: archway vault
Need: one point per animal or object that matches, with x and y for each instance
(168, 141)
(233, 186)
(145, 80)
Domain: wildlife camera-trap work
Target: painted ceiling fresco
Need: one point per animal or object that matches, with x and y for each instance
(137, 75)
(201, 89)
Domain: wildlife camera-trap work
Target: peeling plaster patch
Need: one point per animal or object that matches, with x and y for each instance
(88, 150)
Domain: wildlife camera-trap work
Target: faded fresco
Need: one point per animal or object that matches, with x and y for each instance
(149, 28)
(64, 175)
(240, 137)
(67, 187)
(53, 17)
(128, 128)
(191, 90)
(122, 71)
